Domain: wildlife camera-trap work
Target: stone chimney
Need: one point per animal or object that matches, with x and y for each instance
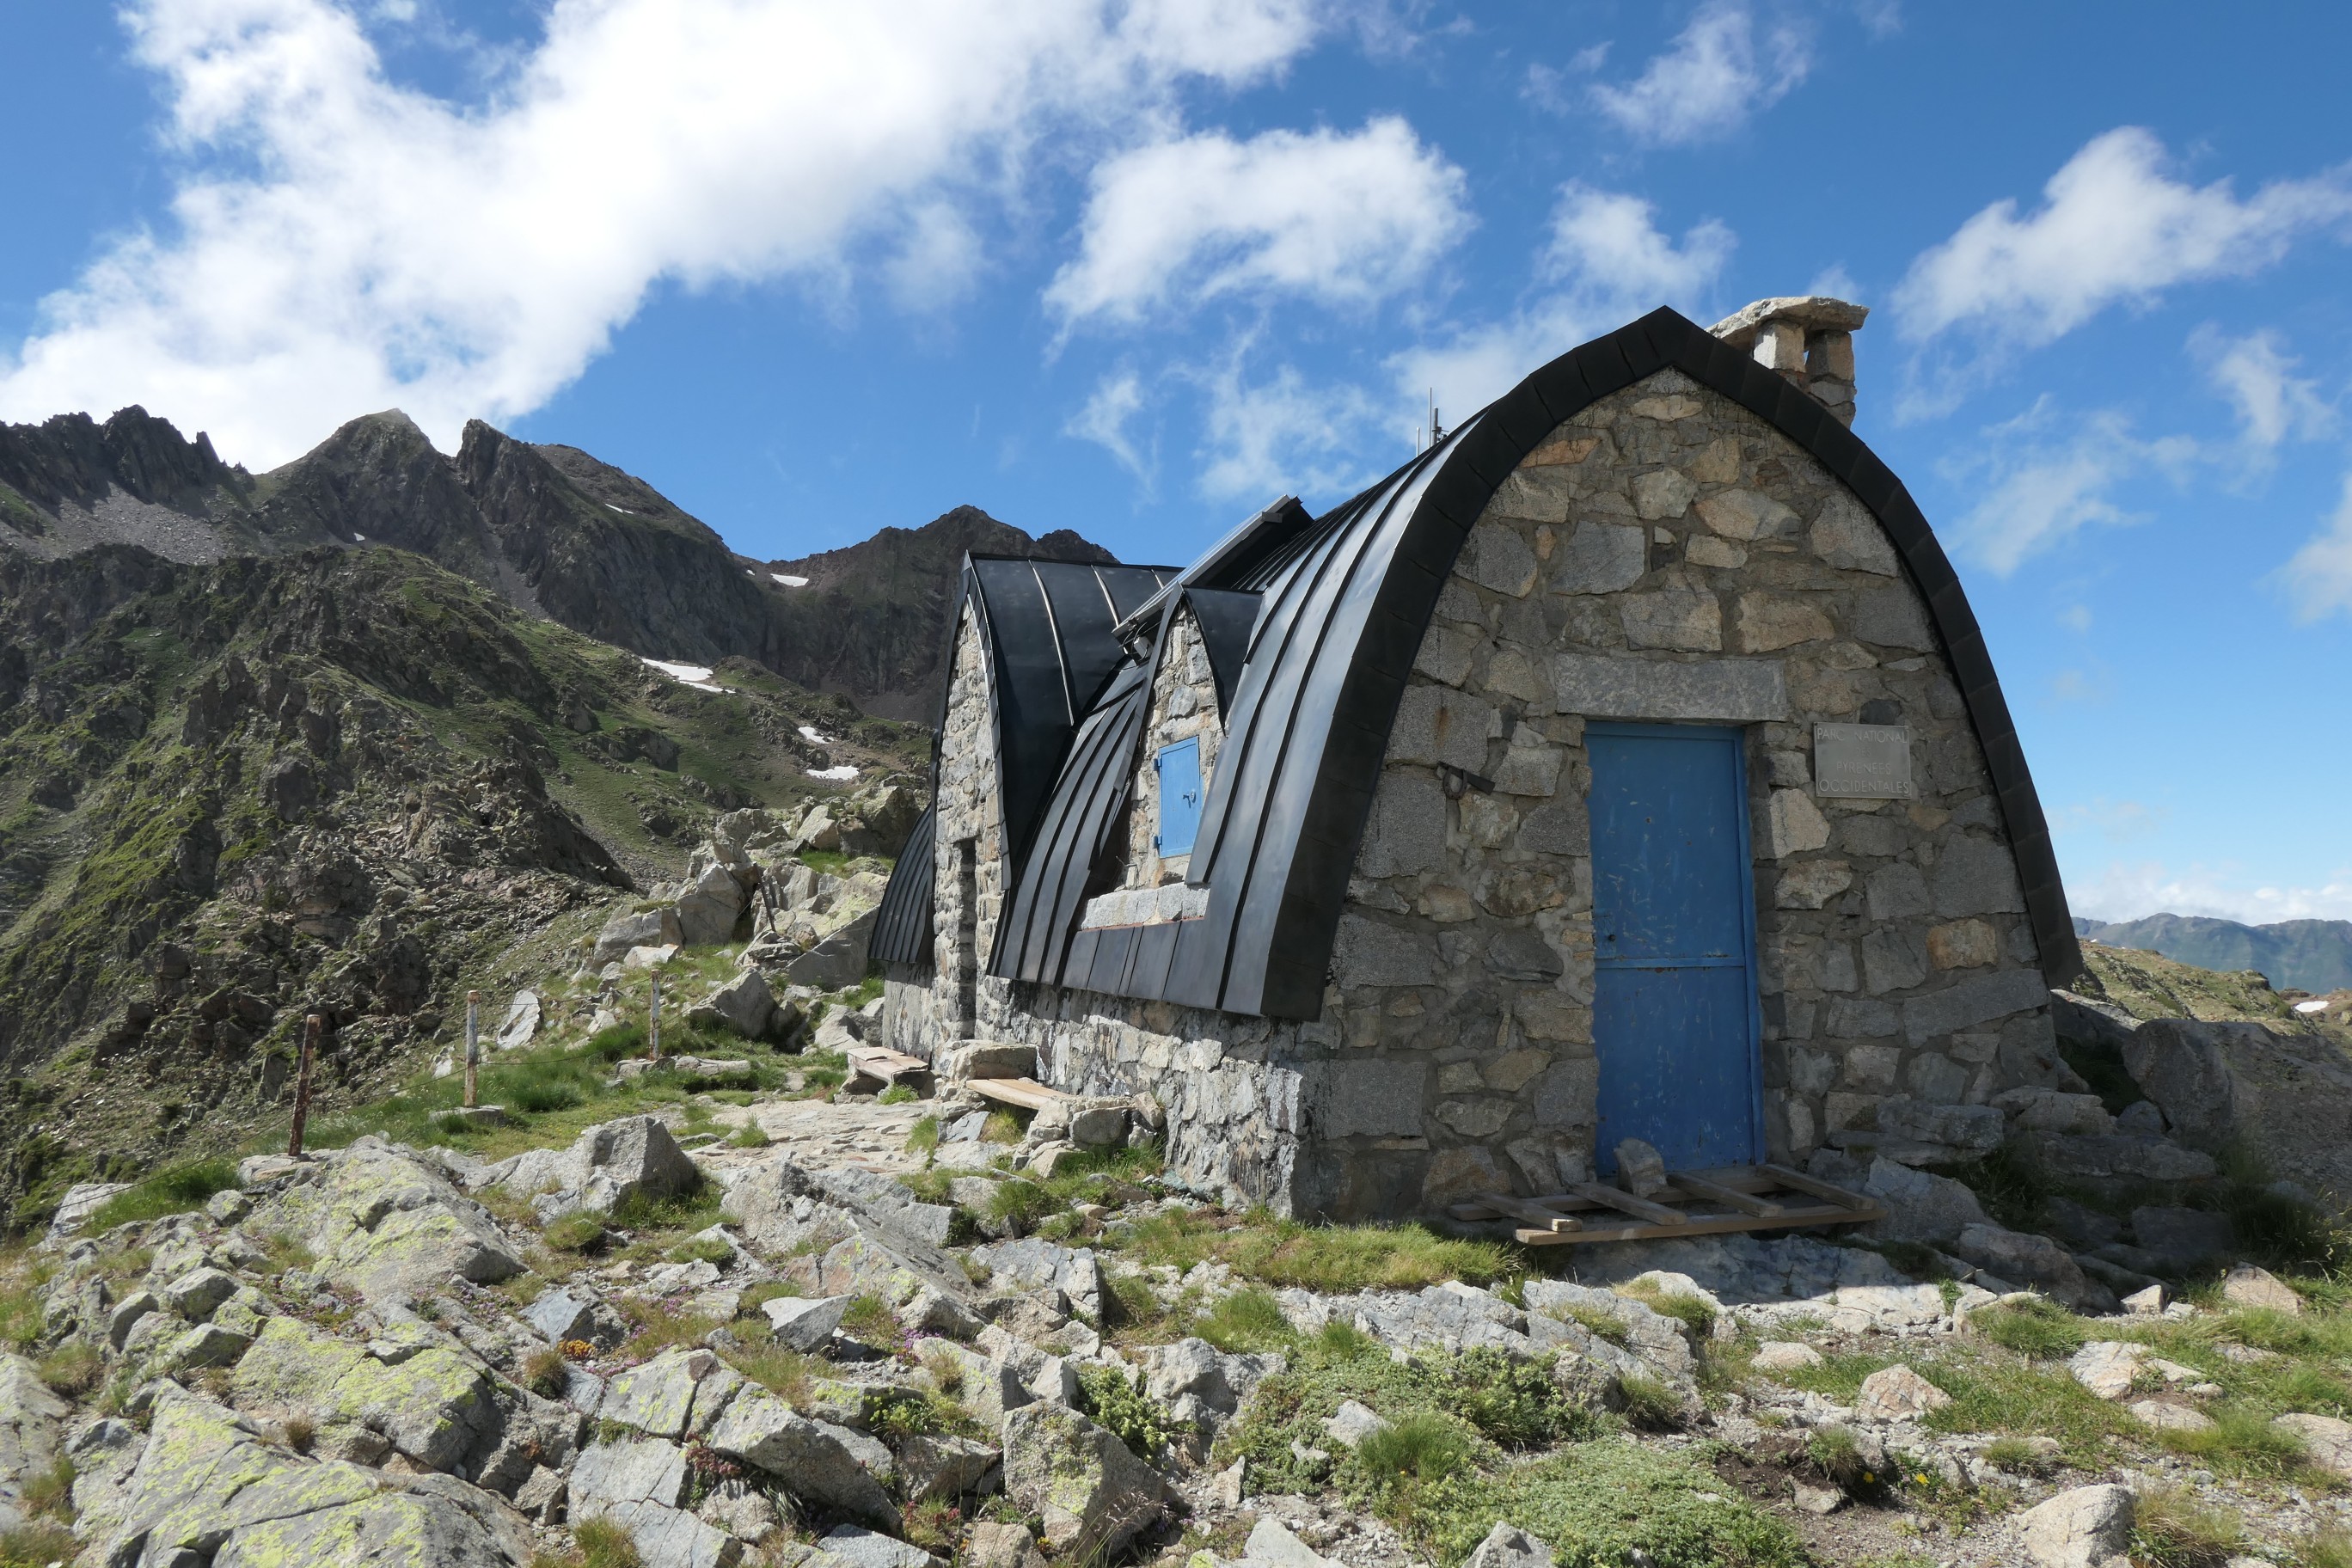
(1809, 339)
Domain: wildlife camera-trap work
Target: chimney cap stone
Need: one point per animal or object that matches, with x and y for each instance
(1814, 312)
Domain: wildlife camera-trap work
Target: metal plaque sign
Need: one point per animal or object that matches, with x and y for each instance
(1862, 761)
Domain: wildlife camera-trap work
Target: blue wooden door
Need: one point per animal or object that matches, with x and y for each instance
(1674, 1016)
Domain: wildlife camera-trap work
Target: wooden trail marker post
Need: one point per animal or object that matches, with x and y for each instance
(302, 1084)
(473, 1046)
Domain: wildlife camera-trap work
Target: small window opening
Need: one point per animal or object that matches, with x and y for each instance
(1178, 767)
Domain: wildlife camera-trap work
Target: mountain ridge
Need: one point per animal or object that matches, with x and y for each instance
(551, 528)
(2312, 955)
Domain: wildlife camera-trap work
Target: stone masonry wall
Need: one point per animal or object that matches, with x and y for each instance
(1667, 526)
(1183, 704)
(970, 806)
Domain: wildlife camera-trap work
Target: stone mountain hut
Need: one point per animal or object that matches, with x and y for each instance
(1627, 765)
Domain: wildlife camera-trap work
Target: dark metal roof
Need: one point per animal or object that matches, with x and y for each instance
(902, 925)
(1344, 606)
(1048, 628)
(1052, 886)
(1226, 617)
(1229, 563)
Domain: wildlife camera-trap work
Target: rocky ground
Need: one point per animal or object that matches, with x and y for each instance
(790, 1323)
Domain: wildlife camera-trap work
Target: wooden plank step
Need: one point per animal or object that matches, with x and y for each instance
(1710, 1224)
(1798, 1182)
(1700, 1187)
(1694, 1203)
(1531, 1213)
(1026, 1093)
(1626, 1203)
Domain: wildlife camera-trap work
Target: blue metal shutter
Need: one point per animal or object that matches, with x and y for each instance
(1180, 797)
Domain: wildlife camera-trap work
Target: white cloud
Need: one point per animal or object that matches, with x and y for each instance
(1715, 75)
(1606, 262)
(2256, 375)
(2318, 579)
(340, 242)
(2123, 891)
(1338, 219)
(2081, 684)
(2039, 486)
(2114, 227)
(938, 258)
(1280, 434)
(1118, 398)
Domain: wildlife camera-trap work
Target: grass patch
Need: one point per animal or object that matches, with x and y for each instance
(1687, 1309)
(1416, 1450)
(49, 1491)
(1022, 1203)
(701, 1249)
(2038, 1329)
(1596, 1505)
(2243, 1442)
(1002, 1127)
(1248, 1319)
(72, 1369)
(2022, 1401)
(923, 1136)
(578, 1231)
(897, 1094)
(175, 1189)
(1836, 1453)
(37, 1545)
(2171, 1529)
(546, 1371)
(2017, 1456)
(551, 1093)
(757, 1296)
(786, 1374)
(658, 1328)
(1494, 1402)
(1130, 1304)
(2328, 1548)
(595, 1543)
(1649, 1402)
(751, 1135)
(869, 1321)
(1331, 1260)
(692, 1211)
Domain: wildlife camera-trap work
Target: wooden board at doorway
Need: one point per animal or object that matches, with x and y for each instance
(1718, 1201)
(1027, 1094)
(884, 1065)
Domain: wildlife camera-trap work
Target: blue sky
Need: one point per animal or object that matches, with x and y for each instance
(1135, 269)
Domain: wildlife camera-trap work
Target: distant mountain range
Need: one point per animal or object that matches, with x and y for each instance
(2301, 955)
(550, 529)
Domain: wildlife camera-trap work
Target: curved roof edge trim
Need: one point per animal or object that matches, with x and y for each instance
(902, 925)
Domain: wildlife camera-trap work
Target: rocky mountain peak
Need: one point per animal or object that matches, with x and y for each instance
(73, 459)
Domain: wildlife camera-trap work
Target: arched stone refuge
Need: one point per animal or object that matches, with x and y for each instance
(1629, 763)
